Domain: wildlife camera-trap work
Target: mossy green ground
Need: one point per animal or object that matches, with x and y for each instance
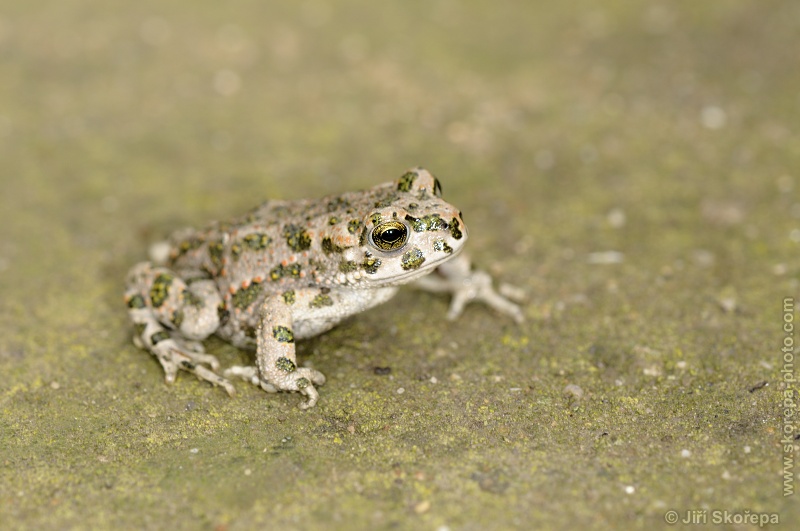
(664, 131)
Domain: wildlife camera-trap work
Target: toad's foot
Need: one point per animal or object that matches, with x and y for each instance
(171, 317)
(175, 354)
(467, 285)
(303, 382)
(478, 287)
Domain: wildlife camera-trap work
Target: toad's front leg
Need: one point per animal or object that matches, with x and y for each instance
(466, 284)
(276, 366)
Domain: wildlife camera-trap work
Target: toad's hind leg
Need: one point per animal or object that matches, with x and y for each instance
(171, 317)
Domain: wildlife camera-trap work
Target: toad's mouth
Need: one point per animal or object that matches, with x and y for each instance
(416, 266)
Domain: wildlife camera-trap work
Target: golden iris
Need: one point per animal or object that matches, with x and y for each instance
(390, 235)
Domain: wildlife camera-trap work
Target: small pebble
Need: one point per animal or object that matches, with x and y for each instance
(422, 507)
(713, 117)
(573, 390)
(616, 218)
(606, 257)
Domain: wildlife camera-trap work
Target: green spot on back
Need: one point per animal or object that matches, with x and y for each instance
(236, 251)
(257, 241)
(244, 297)
(296, 237)
(189, 245)
(353, 225)
(386, 201)
(281, 271)
(337, 203)
(215, 251)
(329, 247)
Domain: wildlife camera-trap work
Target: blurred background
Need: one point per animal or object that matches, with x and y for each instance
(539, 114)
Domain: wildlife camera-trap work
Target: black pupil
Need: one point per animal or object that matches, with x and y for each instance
(391, 235)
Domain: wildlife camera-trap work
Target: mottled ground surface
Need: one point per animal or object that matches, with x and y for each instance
(634, 166)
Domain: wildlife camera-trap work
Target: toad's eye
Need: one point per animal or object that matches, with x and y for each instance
(389, 236)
